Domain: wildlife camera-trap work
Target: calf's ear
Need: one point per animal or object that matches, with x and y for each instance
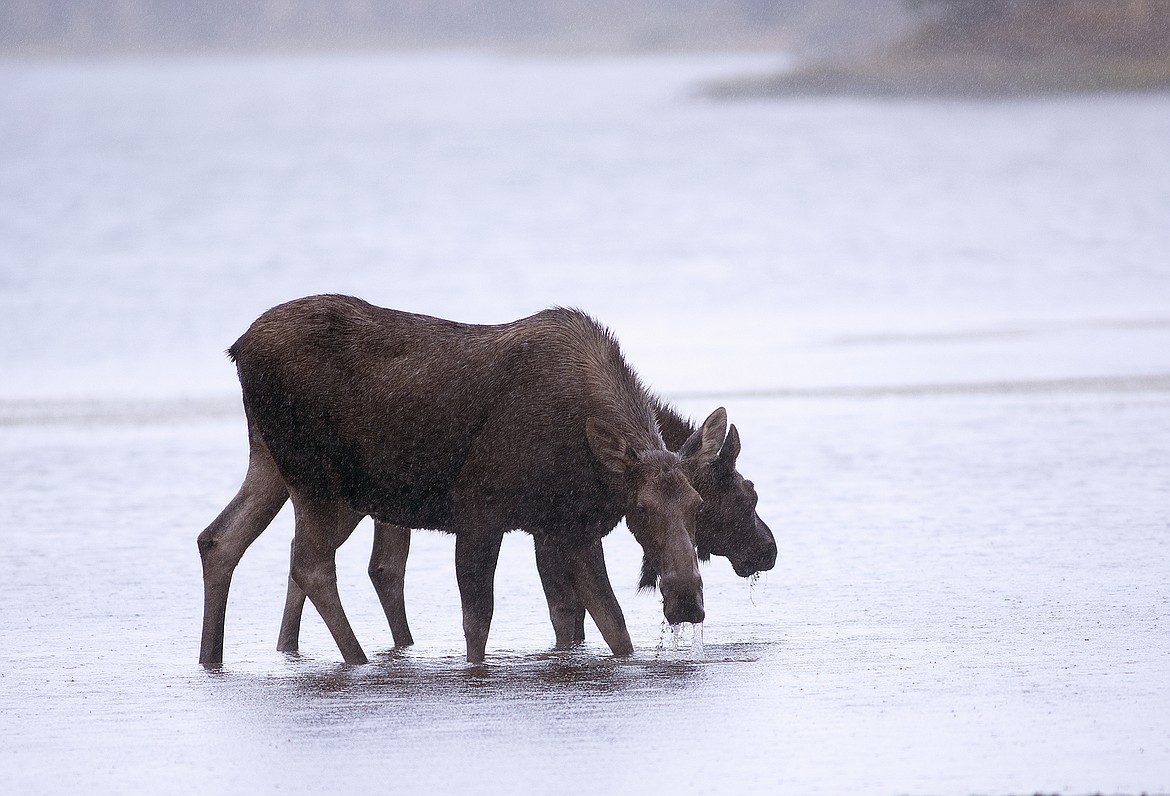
(608, 446)
(703, 446)
(730, 450)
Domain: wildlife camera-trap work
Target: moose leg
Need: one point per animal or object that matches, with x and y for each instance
(321, 529)
(289, 639)
(388, 574)
(591, 582)
(222, 544)
(476, 554)
(556, 576)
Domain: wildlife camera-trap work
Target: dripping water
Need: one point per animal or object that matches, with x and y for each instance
(753, 579)
(676, 638)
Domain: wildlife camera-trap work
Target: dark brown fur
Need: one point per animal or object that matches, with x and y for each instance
(727, 525)
(420, 422)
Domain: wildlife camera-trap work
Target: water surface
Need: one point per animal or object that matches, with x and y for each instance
(942, 328)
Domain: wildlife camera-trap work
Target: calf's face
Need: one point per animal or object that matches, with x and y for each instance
(728, 524)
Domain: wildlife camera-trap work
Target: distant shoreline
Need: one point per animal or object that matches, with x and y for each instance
(1011, 48)
(960, 76)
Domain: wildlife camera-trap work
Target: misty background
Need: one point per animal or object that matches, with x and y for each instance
(113, 26)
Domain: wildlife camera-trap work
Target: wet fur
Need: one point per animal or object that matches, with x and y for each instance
(389, 411)
(420, 422)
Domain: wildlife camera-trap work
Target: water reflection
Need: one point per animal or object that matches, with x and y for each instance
(435, 689)
(396, 674)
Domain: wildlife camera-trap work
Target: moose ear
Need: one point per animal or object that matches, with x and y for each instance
(703, 446)
(730, 450)
(608, 446)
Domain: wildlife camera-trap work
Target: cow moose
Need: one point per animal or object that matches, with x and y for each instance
(419, 422)
(727, 525)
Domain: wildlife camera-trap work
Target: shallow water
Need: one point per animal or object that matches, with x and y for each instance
(943, 330)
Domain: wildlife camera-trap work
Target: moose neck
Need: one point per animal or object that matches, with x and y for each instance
(675, 430)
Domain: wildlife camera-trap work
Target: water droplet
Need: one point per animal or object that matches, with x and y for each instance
(677, 638)
(697, 642)
(661, 636)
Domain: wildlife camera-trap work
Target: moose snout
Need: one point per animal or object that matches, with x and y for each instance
(759, 556)
(682, 599)
(767, 558)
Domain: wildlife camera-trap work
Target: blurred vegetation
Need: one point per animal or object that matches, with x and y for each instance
(999, 48)
(1044, 29)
